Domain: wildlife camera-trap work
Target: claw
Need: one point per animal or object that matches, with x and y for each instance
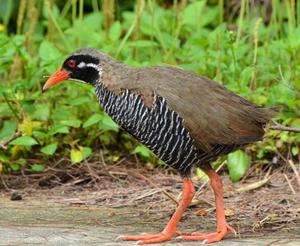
(118, 238)
(179, 238)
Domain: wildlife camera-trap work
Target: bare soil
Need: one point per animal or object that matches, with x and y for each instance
(112, 200)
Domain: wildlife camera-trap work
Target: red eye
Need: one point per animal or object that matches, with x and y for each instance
(71, 63)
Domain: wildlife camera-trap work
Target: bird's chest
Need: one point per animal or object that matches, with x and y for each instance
(158, 127)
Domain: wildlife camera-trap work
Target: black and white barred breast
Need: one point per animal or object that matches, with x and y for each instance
(159, 128)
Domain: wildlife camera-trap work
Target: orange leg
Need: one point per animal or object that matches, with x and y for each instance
(170, 229)
(222, 227)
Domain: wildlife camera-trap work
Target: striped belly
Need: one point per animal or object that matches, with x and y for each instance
(158, 127)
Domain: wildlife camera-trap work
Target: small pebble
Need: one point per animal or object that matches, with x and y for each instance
(15, 196)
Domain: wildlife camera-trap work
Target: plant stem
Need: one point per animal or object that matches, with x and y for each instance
(11, 107)
(3, 144)
(139, 11)
(255, 34)
(67, 44)
(108, 8)
(241, 19)
(81, 5)
(21, 13)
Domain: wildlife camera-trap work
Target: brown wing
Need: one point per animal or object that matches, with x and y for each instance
(213, 114)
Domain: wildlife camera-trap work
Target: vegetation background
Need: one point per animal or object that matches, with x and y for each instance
(250, 46)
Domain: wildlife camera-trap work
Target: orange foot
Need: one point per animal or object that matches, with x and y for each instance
(209, 237)
(148, 238)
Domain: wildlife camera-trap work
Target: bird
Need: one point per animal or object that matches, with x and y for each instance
(185, 119)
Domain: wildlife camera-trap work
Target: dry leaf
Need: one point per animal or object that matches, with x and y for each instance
(228, 212)
(201, 212)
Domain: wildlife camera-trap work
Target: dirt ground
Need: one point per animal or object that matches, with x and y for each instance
(94, 204)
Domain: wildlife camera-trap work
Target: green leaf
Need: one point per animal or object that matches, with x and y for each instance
(79, 101)
(115, 31)
(76, 156)
(86, 152)
(73, 123)
(95, 118)
(62, 113)
(48, 52)
(238, 163)
(24, 140)
(59, 129)
(41, 112)
(142, 151)
(295, 150)
(202, 175)
(6, 9)
(192, 13)
(93, 21)
(49, 149)
(3, 158)
(108, 124)
(281, 93)
(37, 167)
(8, 129)
(14, 166)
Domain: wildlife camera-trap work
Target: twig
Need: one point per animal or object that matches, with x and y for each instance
(289, 183)
(280, 127)
(149, 193)
(3, 144)
(142, 177)
(170, 196)
(257, 184)
(291, 163)
(271, 218)
(254, 185)
(4, 184)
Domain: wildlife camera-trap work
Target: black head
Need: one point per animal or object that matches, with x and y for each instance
(82, 65)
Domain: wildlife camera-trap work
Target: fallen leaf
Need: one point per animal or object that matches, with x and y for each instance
(201, 212)
(228, 212)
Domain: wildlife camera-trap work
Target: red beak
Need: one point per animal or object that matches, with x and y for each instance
(57, 77)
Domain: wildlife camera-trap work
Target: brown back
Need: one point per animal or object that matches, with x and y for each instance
(213, 114)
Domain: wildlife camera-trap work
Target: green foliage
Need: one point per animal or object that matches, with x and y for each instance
(49, 149)
(143, 152)
(37, 167)
(238, 163)
(254, 53)
(24, 141)
(78, 155)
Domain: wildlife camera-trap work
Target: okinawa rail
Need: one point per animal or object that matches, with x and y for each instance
(184, 118)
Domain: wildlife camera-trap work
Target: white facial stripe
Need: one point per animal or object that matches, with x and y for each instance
(93, 66)
(81, 64)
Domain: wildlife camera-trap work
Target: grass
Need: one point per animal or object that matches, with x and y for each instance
(251, 49)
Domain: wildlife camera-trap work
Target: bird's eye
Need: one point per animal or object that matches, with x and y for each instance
(71, 63)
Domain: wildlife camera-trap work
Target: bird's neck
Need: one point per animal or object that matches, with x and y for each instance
(114, 75)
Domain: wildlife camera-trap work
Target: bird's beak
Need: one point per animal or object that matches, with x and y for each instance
(57, 77)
